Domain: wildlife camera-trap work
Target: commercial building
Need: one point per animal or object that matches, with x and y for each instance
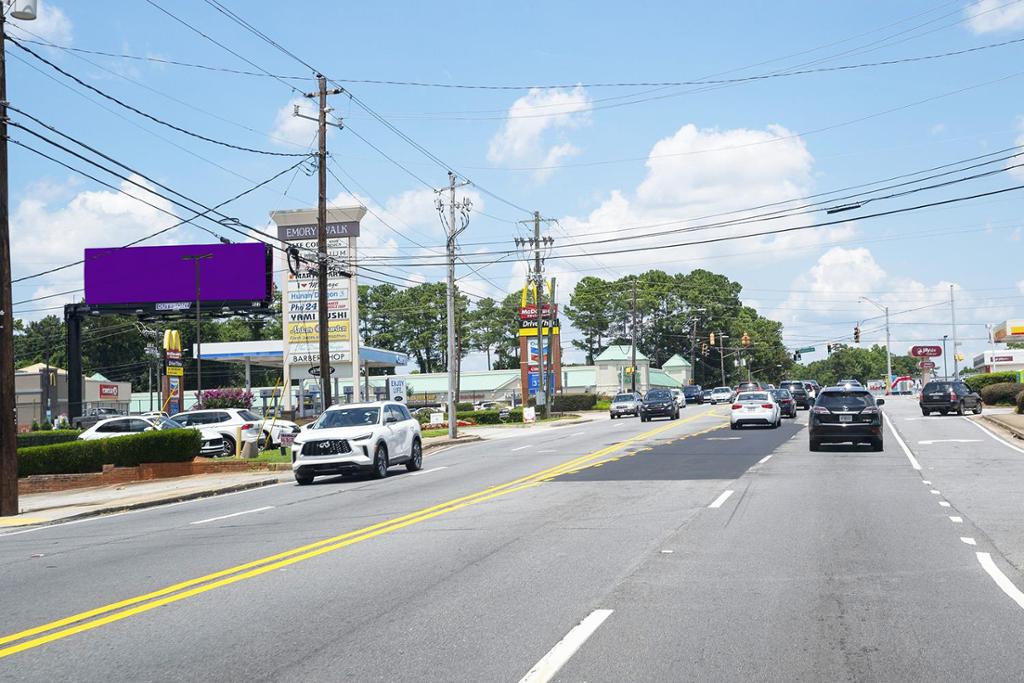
(41, 394)
(1000, 361)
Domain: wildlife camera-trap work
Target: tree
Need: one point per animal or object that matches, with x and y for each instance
(487, 325)
(589, 310)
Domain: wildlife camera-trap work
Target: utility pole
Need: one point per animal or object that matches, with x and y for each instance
(536, 243)
(888, 345)
(952, 310)
(453, 230)
(721, 354)
(196, 260)
(549, 388)
(8, 404)
(632, 333)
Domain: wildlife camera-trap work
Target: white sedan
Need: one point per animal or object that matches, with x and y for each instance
(213, 442)
(755, 407)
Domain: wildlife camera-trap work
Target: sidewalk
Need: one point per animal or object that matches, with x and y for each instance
(61, 506)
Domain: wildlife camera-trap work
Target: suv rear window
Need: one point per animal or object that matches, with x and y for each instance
(848, 400)
(937, 386)
(658, 395)
(624, 397)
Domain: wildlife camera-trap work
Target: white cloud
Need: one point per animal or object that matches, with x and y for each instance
(54, 225)
(694, 176)
(50, 24)
(522, 139)
(985, 16)
(937, 129)
(1020, 286)
(294, 130)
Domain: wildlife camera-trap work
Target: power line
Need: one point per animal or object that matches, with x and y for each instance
(147, 115)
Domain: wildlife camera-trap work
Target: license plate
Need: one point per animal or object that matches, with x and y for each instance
(846, 418)
(751, 408)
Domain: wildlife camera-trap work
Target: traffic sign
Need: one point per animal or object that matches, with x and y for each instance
(925, 351)
(926, 365)
(806, 349)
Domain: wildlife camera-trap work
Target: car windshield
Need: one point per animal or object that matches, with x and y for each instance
(658, 396)
(722, 390)
(752, 396)
(167, 423)
(348, 417)
(845, 400)
(621, 398)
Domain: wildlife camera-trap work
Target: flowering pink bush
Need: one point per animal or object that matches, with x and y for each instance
(225, 398)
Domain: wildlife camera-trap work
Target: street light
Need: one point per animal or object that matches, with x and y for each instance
(24, 10)
(196, 259)
(888, 350)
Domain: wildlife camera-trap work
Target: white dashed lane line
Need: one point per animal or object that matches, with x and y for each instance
(764, 459)
(555, 659)
(234, 514)
(432, 469)
(721, 499)
(944, 503)
(956, 520)
(968, 540)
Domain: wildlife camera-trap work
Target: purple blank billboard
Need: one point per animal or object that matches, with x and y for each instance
(147, 275)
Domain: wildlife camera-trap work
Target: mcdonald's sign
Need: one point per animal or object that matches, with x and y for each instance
(172, 341)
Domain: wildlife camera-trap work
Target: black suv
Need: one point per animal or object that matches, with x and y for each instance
(658, 403)
(799, 392)
(947, 396)
(842, 414)
(693, 393)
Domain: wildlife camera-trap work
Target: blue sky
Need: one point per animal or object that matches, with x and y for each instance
(595, 158)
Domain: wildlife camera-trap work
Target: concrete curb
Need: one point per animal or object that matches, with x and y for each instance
(991, 421)
(141, 505)
(445, 441)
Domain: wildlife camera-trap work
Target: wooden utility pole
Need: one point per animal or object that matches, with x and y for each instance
(632, 334)
(8, 405)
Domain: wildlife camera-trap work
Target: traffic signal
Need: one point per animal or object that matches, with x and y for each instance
(745, 339)
(796, 357)
(856, 334)
(711, 339)
(704, 348)
(830, 349)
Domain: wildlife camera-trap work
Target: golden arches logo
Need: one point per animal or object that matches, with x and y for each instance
(172, 340)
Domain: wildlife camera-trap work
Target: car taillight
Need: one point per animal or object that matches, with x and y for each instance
(952, 395)
(247, 426)
(766, 405)
(869, 411)
(737, 406)
(820, 410)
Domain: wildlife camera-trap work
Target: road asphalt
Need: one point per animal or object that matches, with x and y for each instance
(615, 551)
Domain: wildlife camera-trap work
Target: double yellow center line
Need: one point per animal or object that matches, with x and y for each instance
(116, 611)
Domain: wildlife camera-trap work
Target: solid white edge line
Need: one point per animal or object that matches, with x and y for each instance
(234, 514)
(764, 459)
(721, 499)
(432, 469)
(994, 436)
(519, 449)
(556, 658)
(1001, 579)
(906, 451)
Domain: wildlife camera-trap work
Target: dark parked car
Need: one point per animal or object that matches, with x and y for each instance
(787, 405)
(693, 393)
(798, 390)
(949, 396)
(94, 415)
(841, 415)
(658, 403)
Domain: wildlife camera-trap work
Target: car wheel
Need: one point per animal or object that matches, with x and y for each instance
(303, 480)
(977, 408)
(734, 426)
(815, 445)
(416, 457)
(380, 462)
(229, 446)
(926, 413)
(960, 408)
(876, 445)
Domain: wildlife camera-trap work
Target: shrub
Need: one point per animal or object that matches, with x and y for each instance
(459, 407)
(979, 382)
(76, 457)
(35, 426)
(569, 402)
(225, 398)
(1020, 403)
(1002, 393)
(30, 439)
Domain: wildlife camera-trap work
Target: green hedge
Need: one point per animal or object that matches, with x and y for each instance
(1020, 403)
(77, 457)
(979, 382)
(1002, 393)
(30, 439)
(570, 402)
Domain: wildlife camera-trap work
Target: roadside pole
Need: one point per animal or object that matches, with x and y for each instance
(888, 355)
(548, 390)
(721, 354)
(952, 310)
(633, 339)
(8, 406)
(452, 230)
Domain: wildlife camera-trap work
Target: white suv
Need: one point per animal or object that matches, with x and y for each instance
(212, 441)
(360, 437)
(225, 420)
